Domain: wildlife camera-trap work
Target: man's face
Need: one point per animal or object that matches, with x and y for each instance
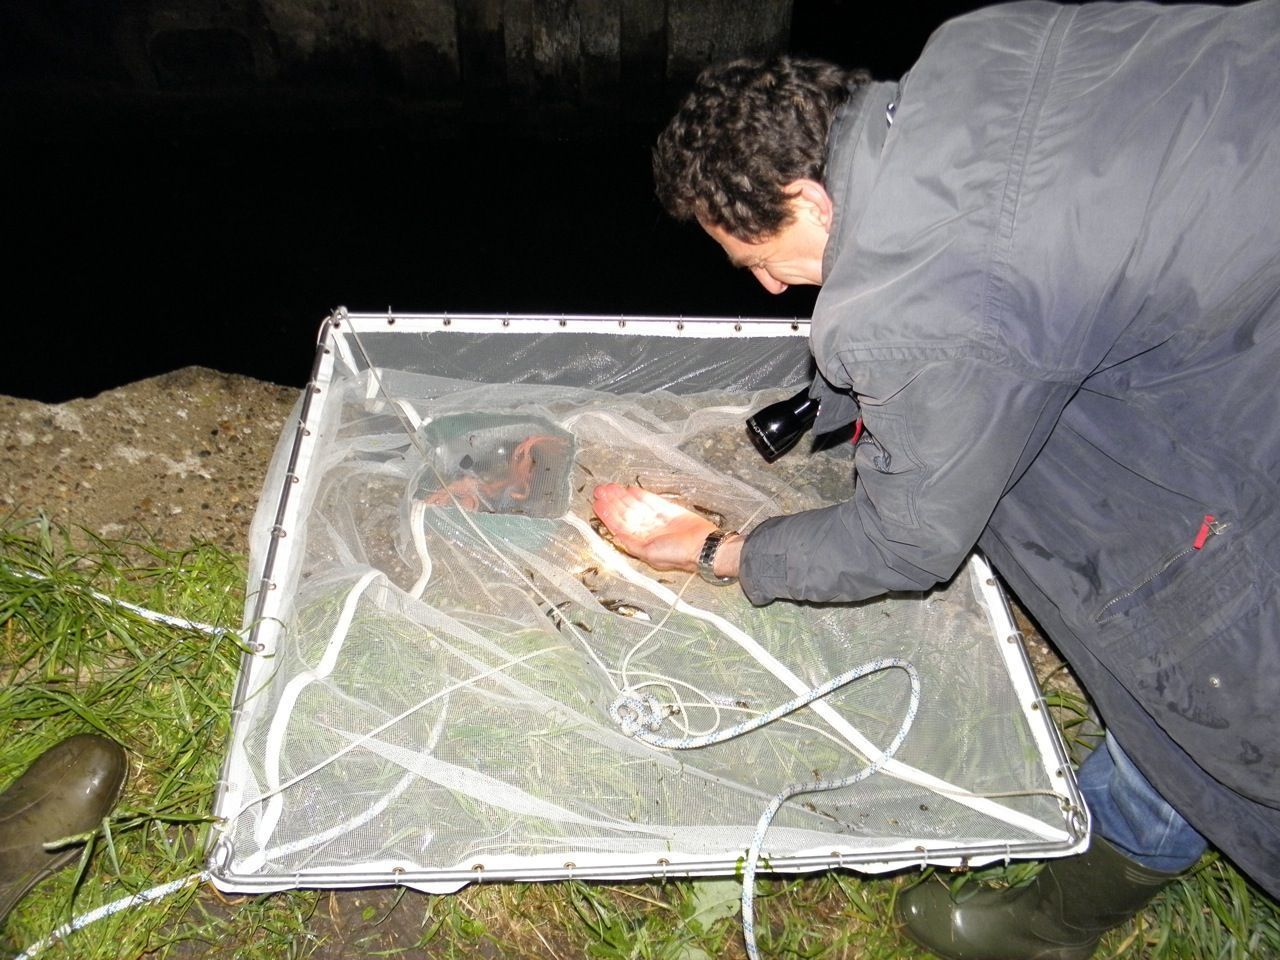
(793, 255)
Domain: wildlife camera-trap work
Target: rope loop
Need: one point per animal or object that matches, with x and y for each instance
(636, 712)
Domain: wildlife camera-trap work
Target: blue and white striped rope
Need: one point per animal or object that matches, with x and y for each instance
(154, 616)
(110, 909)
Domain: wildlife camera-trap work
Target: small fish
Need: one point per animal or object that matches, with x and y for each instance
(720, 700)
(589, 578)
(713, 515)
(603, 532)
(624, 609)
(555, 613)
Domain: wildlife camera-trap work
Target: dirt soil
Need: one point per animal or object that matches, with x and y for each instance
(178, 457)
(182, 457)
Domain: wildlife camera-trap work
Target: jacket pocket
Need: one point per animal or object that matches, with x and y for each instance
(1165, 616)
(1140, 597)
(1198, 644)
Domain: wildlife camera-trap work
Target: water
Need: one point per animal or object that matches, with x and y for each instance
(153, 231)
(144, 246)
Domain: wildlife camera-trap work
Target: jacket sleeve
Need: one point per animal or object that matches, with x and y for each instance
(934, 460)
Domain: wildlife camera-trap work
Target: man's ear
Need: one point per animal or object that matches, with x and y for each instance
(809, 199)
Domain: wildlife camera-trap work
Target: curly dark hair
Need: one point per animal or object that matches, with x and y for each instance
(746, 130)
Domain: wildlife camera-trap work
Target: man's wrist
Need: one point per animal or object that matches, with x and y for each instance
(729, 557)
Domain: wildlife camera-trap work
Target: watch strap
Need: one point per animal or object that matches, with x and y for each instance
(707, 557)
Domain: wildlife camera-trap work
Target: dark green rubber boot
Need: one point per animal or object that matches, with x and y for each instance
(67, 791)
(1060, 915)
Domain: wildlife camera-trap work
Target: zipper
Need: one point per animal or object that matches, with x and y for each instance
(1208, 528)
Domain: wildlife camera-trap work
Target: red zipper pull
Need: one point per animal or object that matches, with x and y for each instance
(1206, 528)
(857, 431)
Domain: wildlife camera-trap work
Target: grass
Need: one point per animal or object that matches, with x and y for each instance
(71, 663)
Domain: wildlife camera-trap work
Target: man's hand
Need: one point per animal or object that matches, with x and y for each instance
(651, 528)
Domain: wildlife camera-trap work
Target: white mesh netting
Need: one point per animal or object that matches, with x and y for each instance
(453, 674)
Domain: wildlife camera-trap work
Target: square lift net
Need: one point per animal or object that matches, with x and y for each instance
(452, 675)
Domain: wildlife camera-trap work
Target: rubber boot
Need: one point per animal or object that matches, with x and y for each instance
(1060, 915)
(65, 792)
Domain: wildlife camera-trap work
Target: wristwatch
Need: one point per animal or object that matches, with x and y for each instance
(707, 557)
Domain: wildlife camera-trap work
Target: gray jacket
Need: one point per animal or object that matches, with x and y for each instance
(1053, 288)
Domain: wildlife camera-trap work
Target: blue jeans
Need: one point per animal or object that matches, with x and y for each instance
(1129, 813)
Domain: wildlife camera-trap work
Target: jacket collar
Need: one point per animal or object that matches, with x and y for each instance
(853, 158)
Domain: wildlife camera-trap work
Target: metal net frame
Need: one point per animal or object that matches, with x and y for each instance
(453, 675)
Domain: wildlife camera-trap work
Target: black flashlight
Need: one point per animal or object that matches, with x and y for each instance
(776, 428)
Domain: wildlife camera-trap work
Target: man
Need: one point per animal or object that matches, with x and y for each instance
(1050, 269)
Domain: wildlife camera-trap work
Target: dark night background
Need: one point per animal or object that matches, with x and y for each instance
(215, 220)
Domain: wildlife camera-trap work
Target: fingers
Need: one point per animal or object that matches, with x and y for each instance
(606, 502)
(617, 501)
(634, 509)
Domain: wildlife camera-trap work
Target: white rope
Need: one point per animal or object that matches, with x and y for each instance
(293, 689)
(468, 681)
(417, 520)
(181, 623)
(107, 910)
